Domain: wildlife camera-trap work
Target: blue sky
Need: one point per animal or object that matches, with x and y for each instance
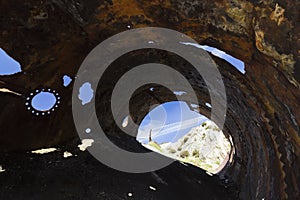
(66, 80)
(43, 101)
(238, 64)
(8, 65)
(164, 120)
(86, 93)
(169, 122)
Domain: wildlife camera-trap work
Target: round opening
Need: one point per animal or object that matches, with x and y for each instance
(174, 130)
(43, 101)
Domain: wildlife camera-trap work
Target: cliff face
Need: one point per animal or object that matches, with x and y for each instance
(51, 38)
(203, 146)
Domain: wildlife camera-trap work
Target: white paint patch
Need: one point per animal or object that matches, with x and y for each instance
(67, 154)
(179, 93)
(184, 164)
(9, 91)
(44, 151)
(1, 169)
(130, 194)
(125, 122)
(209, 173)
(152, 188)
(194, 105)
(208, 105)
(88, 130)
(85, 144)
(150, 42)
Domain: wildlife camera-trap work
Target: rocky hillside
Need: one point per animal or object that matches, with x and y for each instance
(205, 146)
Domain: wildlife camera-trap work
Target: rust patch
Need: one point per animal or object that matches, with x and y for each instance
(278, 15)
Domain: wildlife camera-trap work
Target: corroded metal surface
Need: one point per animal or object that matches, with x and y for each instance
(51, 38)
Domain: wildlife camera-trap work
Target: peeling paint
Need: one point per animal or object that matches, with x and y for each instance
(2, 169)
(67, 154)
(85, 144)
(44, 151)
(9, 91)
(152, 188)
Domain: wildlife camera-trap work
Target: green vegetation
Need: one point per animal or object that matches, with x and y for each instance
(155, 145)
(205, 146)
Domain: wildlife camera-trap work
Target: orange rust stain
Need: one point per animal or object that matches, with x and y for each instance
(127, 7)
(259, 37)
(130, 8)
(120, 10)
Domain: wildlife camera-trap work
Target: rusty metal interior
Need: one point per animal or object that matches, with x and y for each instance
(51, 38)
